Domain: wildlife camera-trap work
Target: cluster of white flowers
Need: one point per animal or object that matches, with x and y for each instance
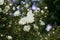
(48, 28)
(16, 13)
(28, 19)
(1, 2)
(27, 28)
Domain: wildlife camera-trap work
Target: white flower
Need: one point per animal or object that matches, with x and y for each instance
(30, 19)
(6, 9)
(27, 28)
(42, 11)
(1, 2)
(35, 26)
(22, 2)
(46, 7)
(27, 5)
(42, 23)
(18, 7)
(10, 4)
(48, 28)
(9, 37)
(16, 13)
(13, 8)
(23, 21)
(1, 35)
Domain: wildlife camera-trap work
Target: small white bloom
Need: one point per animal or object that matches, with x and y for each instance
(22, 2)
(48, 28)
(16, 13)
(35, 26)
(42, 23)
(23, 21)
(42, 11)
(6, 9)
(18, 7)
(1, 2)
(27, 28)
(46, 7)
(10, 4)
(9, 37)
(30, 19)
(27, 5)
(13, 8)
(1, 35)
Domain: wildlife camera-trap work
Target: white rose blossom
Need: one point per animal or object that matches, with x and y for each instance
(27, 28)
(28, 19)
(26, 5)
(16, 13)
(23, 21)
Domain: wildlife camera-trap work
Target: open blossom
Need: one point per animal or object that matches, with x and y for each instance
(16, 13)
(48, 28)
(26, 5)
(30, 19)
(1, 2)
(27, 28)
(23, 21)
